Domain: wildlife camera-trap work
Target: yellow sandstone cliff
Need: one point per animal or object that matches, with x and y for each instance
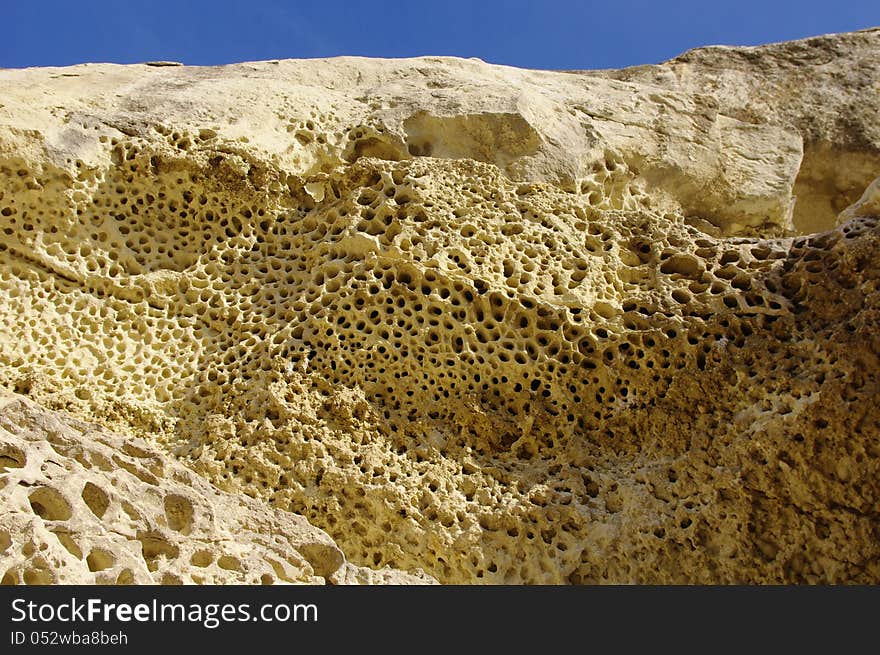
(467, 321)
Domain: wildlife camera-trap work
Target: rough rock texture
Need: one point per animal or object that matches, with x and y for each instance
(824, 89)
(85, 506)
(499, 325)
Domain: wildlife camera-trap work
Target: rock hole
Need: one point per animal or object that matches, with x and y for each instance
(125, 577)
(179, 513)
(155, 547)
(11, 457)
(96, 499)
(229, 563)
(38, 576)
(324, 558)
(685, 265)
(201, 558)
(49, 504)
(279, 570)
(100, 560)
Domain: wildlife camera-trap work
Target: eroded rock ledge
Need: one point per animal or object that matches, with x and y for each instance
(85, 506)
(494, 324)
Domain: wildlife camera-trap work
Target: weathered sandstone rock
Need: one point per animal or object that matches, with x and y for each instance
(86, 506)
(495, 324)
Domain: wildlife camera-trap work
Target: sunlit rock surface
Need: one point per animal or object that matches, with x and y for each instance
(496, 325)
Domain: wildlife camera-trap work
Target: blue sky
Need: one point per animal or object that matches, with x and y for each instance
(538, 34)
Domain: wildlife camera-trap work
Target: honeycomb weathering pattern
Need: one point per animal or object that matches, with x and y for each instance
(503, 326)
(85, 506)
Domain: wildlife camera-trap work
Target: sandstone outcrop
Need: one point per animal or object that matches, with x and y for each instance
(85, 506)
(498, 325)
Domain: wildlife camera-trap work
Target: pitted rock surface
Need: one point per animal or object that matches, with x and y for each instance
(498, 325)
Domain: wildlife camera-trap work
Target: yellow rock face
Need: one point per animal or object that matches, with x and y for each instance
(501, 326)
(85, 506)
